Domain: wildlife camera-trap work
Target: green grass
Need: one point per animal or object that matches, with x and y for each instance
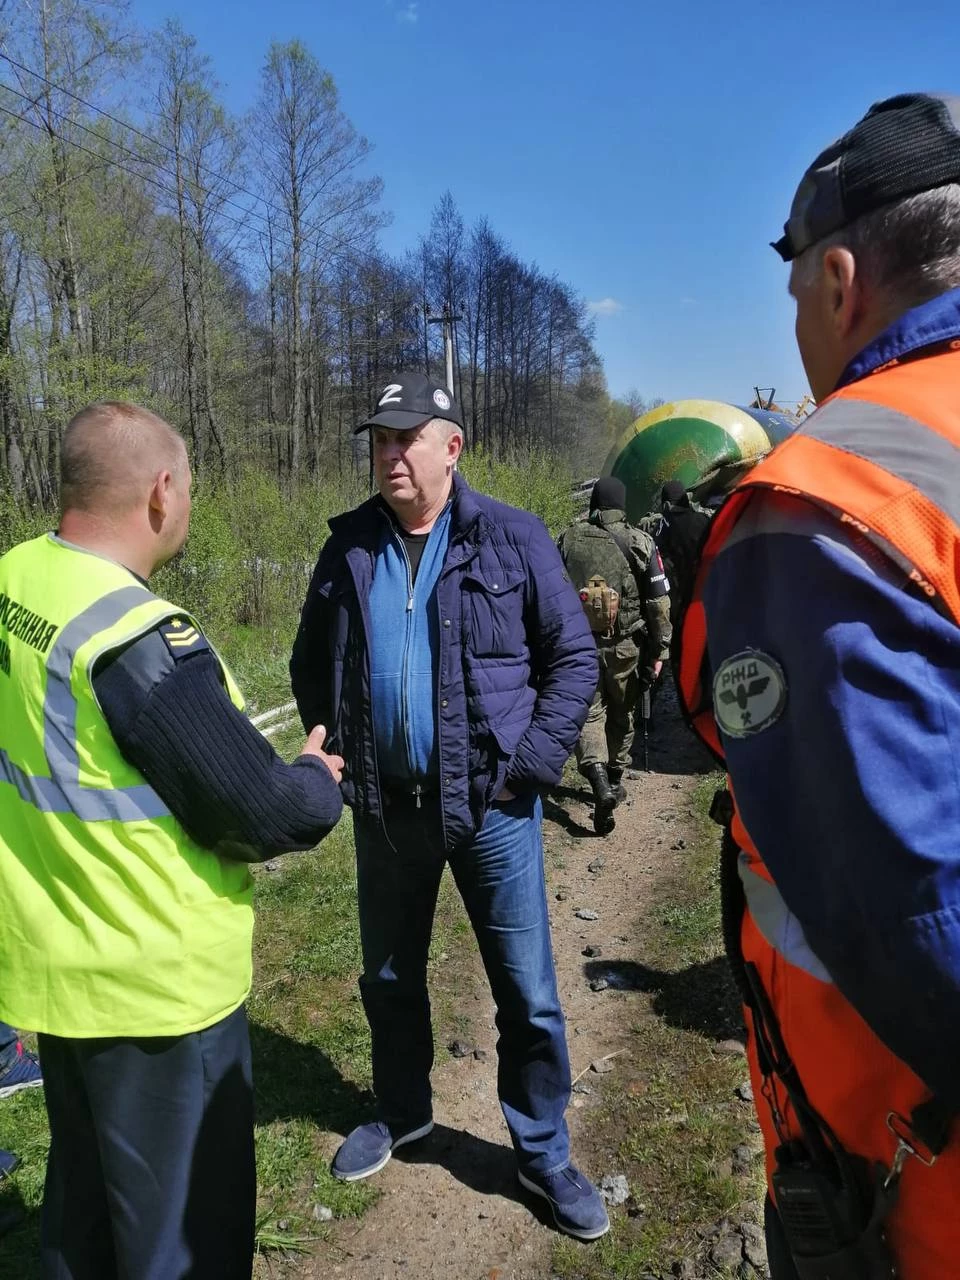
(310, 1038)
(23, 1129)
(311, 1051)
(311, 1045)
(669, 1119)
(690, 922)
(259, 658)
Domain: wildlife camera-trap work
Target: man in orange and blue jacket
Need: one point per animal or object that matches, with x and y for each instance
(821, 662)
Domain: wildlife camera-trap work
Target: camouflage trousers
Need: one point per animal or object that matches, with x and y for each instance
(606, 735)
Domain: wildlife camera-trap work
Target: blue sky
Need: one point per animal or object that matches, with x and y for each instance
(644, 152)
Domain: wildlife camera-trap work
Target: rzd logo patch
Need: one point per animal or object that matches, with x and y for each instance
(749, 693)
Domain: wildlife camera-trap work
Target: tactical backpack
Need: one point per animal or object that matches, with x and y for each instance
(601, 604)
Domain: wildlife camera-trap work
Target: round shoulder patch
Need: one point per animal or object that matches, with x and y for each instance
(749, 693)
(441, 400)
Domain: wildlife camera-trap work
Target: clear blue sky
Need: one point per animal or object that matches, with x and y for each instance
(644, 152)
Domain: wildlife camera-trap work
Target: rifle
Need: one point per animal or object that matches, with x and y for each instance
(645, 717)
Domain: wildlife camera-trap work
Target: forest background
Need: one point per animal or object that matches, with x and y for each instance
(227, 273)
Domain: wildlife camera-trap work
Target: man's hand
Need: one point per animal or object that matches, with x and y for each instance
(314, 747)
(657, 668)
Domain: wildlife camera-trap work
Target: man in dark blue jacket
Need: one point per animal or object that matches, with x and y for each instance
(443, 643)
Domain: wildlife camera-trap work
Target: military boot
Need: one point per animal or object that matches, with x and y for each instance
(604, 801)
(615, 778)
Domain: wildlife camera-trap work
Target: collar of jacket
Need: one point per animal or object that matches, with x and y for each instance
(469, 523)
(606, 516)
(928, 324)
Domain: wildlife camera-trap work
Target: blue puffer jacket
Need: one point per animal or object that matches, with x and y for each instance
(518, 663)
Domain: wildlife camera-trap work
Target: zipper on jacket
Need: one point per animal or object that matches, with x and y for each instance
(405, 668)
(365, 629)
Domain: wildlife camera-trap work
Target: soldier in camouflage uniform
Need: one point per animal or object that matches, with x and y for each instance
(677, 529)
(632, 652)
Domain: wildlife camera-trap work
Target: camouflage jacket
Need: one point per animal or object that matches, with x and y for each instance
(589, 550)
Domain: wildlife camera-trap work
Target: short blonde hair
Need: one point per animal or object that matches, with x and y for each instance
(111, 452)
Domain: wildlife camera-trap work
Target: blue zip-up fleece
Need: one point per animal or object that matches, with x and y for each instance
(516, 666)
(405, 658)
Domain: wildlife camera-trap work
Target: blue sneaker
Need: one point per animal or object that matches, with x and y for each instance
(8, 1162)
(574, 1201)
(23, 1073)
(368, 1148)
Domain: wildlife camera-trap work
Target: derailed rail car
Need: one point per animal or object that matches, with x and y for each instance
(705, 444)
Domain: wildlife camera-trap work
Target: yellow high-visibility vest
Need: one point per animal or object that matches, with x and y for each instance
(113, 921)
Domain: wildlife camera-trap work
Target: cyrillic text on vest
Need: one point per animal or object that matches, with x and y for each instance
(24, 624)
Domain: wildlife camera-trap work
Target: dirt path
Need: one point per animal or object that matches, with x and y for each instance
(451, 1208)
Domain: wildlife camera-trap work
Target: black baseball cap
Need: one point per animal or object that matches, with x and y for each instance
(902, 146)
(409, 401)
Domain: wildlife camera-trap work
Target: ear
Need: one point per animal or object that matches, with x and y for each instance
(843, 291)
(454, 447)
(159, 498)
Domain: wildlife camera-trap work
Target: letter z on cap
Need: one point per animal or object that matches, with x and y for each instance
(410, 400)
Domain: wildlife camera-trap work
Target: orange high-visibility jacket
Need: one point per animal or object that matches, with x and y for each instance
(880, 455)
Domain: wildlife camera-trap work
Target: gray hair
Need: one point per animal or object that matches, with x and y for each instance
(908, 250)
(446, 427)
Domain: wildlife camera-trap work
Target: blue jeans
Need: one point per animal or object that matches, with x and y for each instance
(499, 874)
(8, 1046)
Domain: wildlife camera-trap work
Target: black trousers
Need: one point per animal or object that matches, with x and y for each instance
(151, 1174)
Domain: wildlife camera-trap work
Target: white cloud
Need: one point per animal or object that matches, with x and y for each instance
(605, 307)
(408, 13)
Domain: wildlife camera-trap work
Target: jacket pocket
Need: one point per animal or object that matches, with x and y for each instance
(507, 736)
(492, 604)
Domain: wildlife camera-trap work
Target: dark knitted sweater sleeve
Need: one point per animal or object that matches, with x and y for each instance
(173, 720)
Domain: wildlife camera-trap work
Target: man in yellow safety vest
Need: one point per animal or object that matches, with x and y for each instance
(133, 796)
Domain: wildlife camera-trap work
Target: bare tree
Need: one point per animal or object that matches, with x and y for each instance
(200, 153)
(308, 156)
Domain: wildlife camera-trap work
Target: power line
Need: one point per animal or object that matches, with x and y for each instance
(334, 252)
(157, 142)
(78, 146)
(145, 177)
(123, 124)
(134, 155)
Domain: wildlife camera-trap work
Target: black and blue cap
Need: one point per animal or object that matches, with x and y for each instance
(902, 146)
(409, 401)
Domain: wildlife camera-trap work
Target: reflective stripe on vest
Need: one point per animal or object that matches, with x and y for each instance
(882, 458)
(61, 792)
(896, 442)
(891, 477)
(114, 921)
(779, 926)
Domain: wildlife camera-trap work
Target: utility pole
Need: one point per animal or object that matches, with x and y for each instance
(448, 320)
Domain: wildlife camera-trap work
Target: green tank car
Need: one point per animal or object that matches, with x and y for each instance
(705, 444)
